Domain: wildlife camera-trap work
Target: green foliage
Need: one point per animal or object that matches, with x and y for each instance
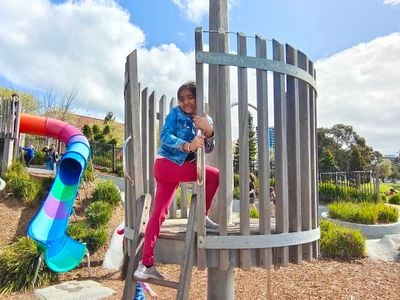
(348, 148)
(94, 238)
(395, 199)
(87, 131)
(95, 129)
(341, 242)
(107, 191)
(17, 267)
(327, 162)
(236, 192)
(98, 213)
(330, 191)
(253, 213)
(252, 147)
(106, 130)
(119, 169)
(89, 174)
(20, 184)
(363, 213)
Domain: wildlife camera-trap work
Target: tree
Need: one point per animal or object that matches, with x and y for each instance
(252, 144)
(384, 169)
(109, 117)
(341, 140)
(327, 163)
(356, 162)
(87, 131)
(252, 148)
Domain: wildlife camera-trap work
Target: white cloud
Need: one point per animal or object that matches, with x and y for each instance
(77, 43)
(391, 2)
(196, 10)
(360, 87)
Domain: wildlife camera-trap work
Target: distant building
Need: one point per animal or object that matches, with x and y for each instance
(271, 132)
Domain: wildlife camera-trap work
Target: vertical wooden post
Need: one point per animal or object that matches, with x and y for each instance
(281, 176)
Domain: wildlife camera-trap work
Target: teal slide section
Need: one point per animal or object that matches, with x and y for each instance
(48, 227)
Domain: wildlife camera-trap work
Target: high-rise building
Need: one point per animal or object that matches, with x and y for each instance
(271, 132)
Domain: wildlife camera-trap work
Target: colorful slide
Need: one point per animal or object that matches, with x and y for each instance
(47, 228)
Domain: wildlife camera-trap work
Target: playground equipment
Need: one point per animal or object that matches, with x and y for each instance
(292, 236)
(61, 253)
(47, 228)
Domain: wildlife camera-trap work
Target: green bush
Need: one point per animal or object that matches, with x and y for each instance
(17, 267)
(20, 184)
(363, 213)
(253, 213)
(107, 191)
(88, 174)
(94, 238)
(98, 213)
(341, 242)
(395, 199)
(330, 192)
(119, 170)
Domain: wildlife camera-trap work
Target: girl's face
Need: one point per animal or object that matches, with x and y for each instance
(187, 102)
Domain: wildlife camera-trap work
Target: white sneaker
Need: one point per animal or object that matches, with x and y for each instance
(142, 272)
(210, 225)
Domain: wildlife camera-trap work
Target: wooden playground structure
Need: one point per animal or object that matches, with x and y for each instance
(292, 235)
(10, 109)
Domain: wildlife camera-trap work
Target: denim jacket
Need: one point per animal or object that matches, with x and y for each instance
(177, 130)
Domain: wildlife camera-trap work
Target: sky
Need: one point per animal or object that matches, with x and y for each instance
(82, 45)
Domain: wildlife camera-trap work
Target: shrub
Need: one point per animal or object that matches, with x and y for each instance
(253, 213)
(395, 199)
(17, 267)
(20, 184)
(98, 213)
(107, 191)
(340, 242)
(94, 238)
(363, 213)
(88, 174)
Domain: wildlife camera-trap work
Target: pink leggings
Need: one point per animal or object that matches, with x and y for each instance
(168, 175)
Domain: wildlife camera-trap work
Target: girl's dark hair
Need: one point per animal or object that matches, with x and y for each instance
(188, 85)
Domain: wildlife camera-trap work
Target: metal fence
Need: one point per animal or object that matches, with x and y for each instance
(364, 182)
(106, 157)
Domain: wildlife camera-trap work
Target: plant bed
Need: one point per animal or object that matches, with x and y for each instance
(375, 231)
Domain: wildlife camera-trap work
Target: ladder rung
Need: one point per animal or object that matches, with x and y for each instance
(162, 282)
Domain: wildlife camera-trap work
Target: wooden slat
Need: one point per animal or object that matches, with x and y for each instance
(263, 153)
(314, 159)
(201, 205)
(134, 157)
(224, 150)
(152, 145)
(293, 161)
(184, 189)
(305, 155)
(281, 179)
(245, 255)
(142, 208)
(145, 138)
(188, 253)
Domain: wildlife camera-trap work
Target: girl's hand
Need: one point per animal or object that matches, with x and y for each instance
(201, 122)
(197, 142)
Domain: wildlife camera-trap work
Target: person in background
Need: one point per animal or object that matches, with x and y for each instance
(51, 157)
(252, 190)
(29, 154)
(176, 163)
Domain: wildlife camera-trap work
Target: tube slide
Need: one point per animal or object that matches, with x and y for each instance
(47, 228)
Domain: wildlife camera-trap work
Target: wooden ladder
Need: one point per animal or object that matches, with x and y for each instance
(183, 285)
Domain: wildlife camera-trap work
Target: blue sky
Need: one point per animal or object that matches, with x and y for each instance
(83, 45)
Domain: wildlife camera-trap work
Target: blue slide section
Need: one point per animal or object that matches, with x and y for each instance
(48, 227)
